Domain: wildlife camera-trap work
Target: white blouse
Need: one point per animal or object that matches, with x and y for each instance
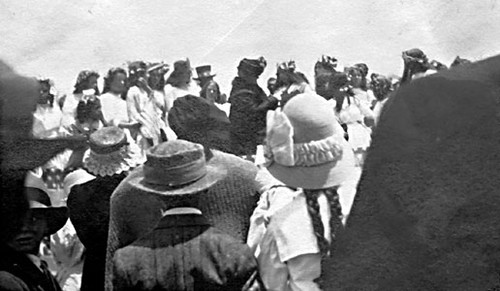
(114, 108)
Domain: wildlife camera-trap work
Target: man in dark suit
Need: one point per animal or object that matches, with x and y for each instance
(183, 252)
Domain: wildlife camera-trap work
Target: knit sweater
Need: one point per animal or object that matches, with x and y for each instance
(228, 206)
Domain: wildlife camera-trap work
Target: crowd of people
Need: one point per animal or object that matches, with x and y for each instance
(162, 182)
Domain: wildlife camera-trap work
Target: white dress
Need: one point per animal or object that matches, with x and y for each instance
(47, 121)
(172, 93)
(114, 108)
(282, 236)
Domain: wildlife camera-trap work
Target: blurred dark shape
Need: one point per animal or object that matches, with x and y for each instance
(426, 212)
(198, 120)
(438, 66)
(458, 61)
(19, 151)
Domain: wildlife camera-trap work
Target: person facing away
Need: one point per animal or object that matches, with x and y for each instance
(21, 267)
(183, 252)
(308, 189)
(290, 82)
(249, 104)
(111, 156)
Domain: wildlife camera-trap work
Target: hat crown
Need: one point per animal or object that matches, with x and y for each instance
(182, 65)
(175, 163)
(312, 118)
(107, 138)
(203, 69)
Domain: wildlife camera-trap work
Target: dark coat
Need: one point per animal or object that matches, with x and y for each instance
(18, 273)
(248, 118)
(88, 206)
(426, 214)
(184, 253)
(228, 206)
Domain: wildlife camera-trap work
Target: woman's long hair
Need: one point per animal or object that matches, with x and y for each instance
(335, 222)
(109, 79)
(286, 78)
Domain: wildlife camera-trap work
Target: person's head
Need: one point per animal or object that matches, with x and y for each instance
(251, 69)
(157, 73)
(198, 120)
(40, 220)
(381, 86)
(45, 97)
(112, 152)
(355, 76)
(325, 65)
(175, 170)
(416, 61)
(86, 80)
(363, 68)
(286, 74)
(271, 85)
(204, 74)
(438, 66)
(116, 81)
(181, 76)
(137, 70)
(458, 61)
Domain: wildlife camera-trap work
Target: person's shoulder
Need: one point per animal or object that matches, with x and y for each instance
(10, 282)
(235, 162)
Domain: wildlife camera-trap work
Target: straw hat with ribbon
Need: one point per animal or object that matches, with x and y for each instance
(111, 152)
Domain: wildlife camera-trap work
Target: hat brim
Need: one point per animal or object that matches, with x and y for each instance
(204, 77)
(56, 217)
(215, 173)
(319, 177)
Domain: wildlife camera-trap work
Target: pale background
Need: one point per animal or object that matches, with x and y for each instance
(58, 38)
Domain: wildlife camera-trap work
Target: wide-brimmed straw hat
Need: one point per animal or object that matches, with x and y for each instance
(177, 167)
(305, 147)
(40, 204)
(111, 152)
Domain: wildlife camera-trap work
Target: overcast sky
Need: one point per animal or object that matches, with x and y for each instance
(58, 38)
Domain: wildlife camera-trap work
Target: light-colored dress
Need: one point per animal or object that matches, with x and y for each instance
(47, 121)
(172, 93)
(114, 108)
(69, 109)
(282, 236)
(352, 114)
(143, 109)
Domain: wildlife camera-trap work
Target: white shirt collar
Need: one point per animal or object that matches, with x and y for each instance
(181, 210)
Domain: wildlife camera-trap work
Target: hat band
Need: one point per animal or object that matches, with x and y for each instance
(175, 176)
(103, 150)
